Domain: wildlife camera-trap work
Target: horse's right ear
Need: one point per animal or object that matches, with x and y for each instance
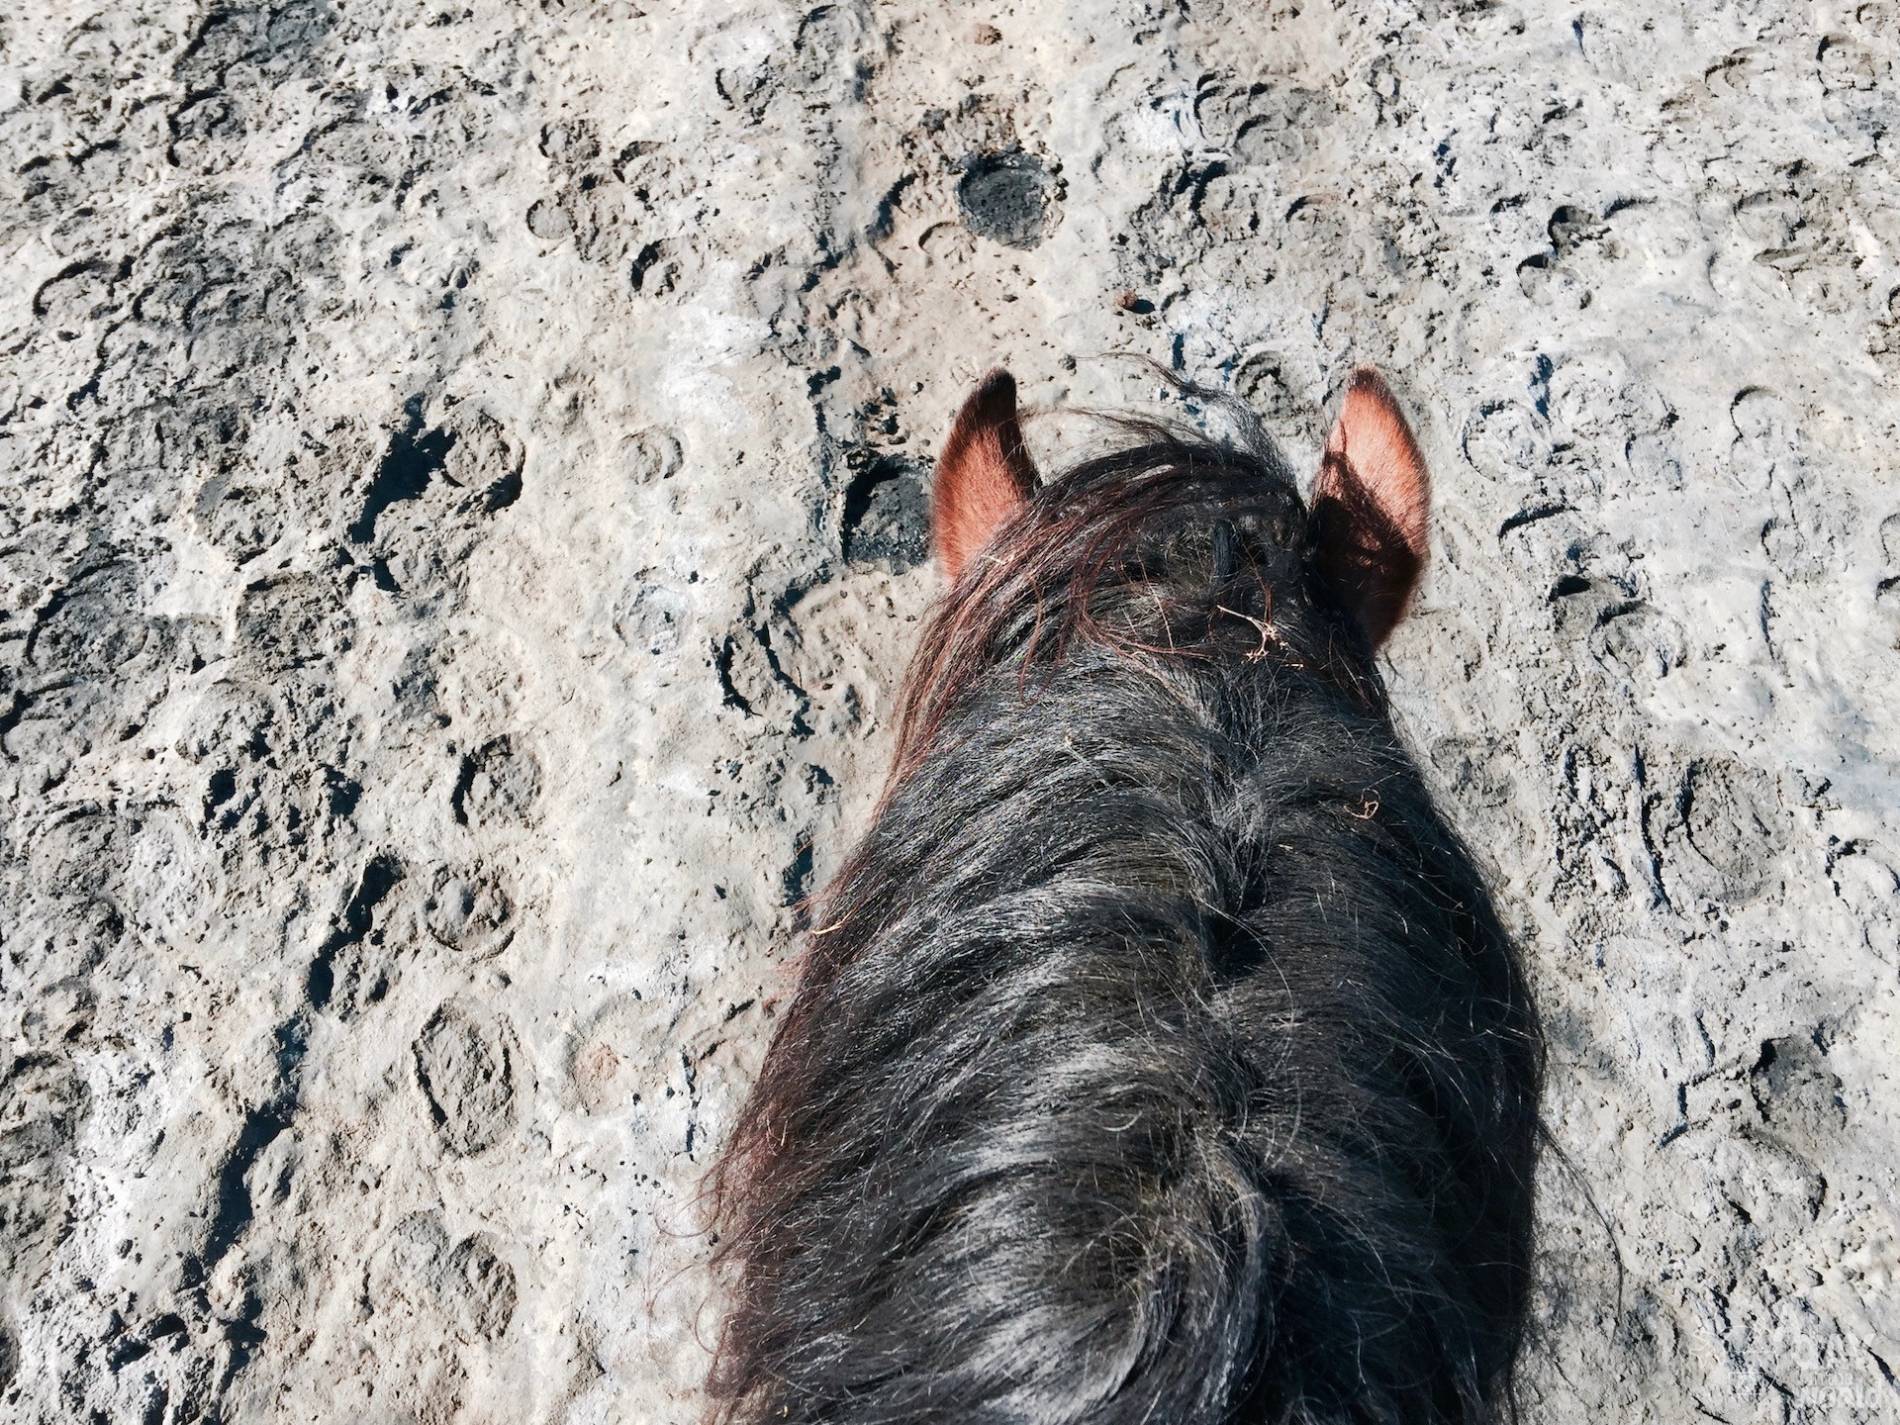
(1371, 506)
(983, 476)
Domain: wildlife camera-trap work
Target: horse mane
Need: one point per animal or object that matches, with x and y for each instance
(1159, 1054)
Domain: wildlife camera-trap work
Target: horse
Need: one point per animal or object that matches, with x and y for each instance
(1159, 1053)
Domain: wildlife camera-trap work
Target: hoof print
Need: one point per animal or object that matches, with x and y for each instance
(466, 1070)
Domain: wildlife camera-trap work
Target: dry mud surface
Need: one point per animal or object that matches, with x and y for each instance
(460, 533)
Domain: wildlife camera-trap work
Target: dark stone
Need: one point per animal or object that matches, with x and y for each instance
(1006, 197)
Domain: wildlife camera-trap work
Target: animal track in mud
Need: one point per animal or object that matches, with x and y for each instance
(1583, 245)
(207, 134)
(570, 142)
(136, 1344)
(288, 621)
(611, 1058)
(592, 209)
(1769, 433)
(1653, 461)
(92, 625)
(1819, 525)
(1748, 73)
(465, 1066)
(1820, 281)
(1771, 217)
(1794, 1088)
(1789, 244)
(1763, 420)
(481, 459)
(478, 1288)
(240, 518)
(498, 783)
(401, 1273)
(1316, 223)
(660, 267)
(1890, 540)
(80, 293)
(1225, 205)
(470, 1283)
(1506, 440)
(74, 855)
(1624, 633)
(747, 88)
(1264, 124)
(1847, 64)
(1639, 639)
(1725, 836)
(1451, 638)
(1887, 591)
(548, 220)
(58, 719)
(753, 680)
(653, 455)
(651, 617)
(1869, 887)
(1281, 124)
(1008, 197)
(247, 794)
(1265, 381)
(1593, 394)
(1879, 19)
(468, 911)
(1475, 770)
(601, 208)
(1577, 603)
(1549, 283)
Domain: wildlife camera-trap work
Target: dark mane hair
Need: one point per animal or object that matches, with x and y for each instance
(1158, 1055)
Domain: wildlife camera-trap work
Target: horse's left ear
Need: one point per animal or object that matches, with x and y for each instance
(984, 474)
(1371, 507)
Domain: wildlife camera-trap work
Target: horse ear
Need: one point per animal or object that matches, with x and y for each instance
(1371, 506)
(984, 474)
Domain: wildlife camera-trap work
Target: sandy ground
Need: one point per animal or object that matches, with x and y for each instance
(460, 534)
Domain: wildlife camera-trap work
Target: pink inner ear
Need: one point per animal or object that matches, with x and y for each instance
(984, 474)
(1372, 504)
